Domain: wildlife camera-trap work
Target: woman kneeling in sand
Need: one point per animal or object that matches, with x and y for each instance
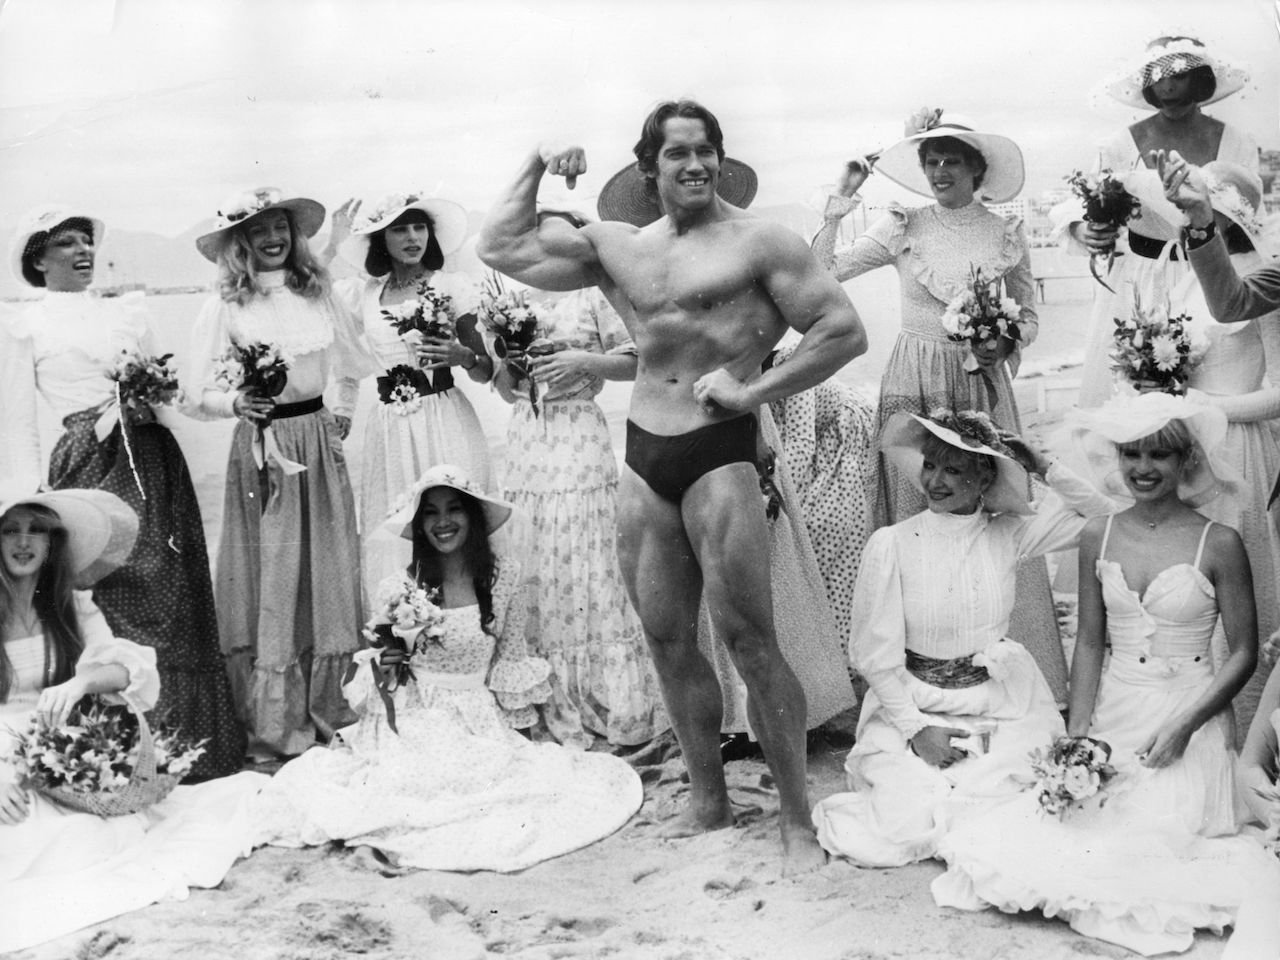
(954, 707)
(434, 775)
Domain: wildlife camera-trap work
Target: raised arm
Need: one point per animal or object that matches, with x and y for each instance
(811, 302)
(512, 242)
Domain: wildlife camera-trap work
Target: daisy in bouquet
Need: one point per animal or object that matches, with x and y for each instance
(90, 759)
(1106, 204)
(517, 328)
(980, 316)
(406, 622)
(141, 383)
(1155, 351)
(430, 314)
(1071, 771)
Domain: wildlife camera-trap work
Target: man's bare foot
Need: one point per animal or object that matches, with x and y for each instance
(801, 852)
(692, 822)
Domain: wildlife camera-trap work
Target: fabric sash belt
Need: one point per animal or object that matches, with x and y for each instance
(284, 411)
(417, 379)
(1151, 249)
(946, 674)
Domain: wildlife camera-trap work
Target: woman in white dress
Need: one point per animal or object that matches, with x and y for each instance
(954, 708)
(61, 870)
(453, 786)
(560, 472)
(1173, 77)
(402, 243)
(163, 597)
(935, 250)
(288, 571)
(1136, 866)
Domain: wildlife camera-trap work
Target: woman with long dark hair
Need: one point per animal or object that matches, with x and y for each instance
(440, 779)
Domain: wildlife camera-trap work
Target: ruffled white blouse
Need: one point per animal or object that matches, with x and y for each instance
(942, 585)
(319, 335)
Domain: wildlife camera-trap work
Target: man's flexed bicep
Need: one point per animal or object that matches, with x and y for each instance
(550, 256)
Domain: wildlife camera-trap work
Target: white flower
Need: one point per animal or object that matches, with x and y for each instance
(1080, 782)
(1164, 351)
(1009, 307)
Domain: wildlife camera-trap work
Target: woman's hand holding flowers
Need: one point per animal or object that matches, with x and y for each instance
(558, 369)
(247, 406)
(1098, 238)
(436, 352)
(56, 702)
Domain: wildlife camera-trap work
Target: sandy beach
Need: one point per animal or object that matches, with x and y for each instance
(715, 897)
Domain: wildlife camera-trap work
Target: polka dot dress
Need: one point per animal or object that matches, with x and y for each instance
(163, 596)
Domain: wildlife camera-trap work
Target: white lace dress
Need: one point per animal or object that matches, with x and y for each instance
(457, 788)
(941, 586)
(1140, 868)
(401, 443)
(61, 870)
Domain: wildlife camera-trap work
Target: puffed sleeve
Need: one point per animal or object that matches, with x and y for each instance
(614, 338)
(1061, 515)
(19, 430)
(517, 680)
(878, 646)
(101, 647)
(210, 336)
(350, 358)
(878, 247)
(1020, 285)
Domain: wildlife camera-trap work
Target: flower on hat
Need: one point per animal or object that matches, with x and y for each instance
(387, 205)
(247, 204)
(922, 120)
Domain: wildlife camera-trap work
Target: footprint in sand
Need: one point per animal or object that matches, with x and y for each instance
(725, 888)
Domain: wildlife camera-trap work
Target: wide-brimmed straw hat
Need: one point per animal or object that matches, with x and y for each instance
(1170, 57)
(1005, 174)
(632, 197)
(101, 528)
(449, 221)
(496, 512)
(969, 431)
(34, 229)
(1094, 433)
(308, 216)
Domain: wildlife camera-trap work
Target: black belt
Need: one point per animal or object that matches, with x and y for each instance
(283, 411)
(947, 674)
(1151, 249)
(416, 379)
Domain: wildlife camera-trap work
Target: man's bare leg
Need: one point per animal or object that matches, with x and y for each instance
(724, 520)
(665, 585)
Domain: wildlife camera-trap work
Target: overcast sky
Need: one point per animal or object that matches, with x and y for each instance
(150, 112)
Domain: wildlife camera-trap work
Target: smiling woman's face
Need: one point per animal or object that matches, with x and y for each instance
(67, 261)
(445, 522)
(950, 177)
(270, 240)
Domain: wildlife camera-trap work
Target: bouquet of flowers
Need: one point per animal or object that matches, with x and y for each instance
(94, 761)
(403, 609)
(1071, 771)
(260, 368)
(142, 382)
(517, 327)
(1154, 350)
(981, 315)
(1106, 204)
(430, 313)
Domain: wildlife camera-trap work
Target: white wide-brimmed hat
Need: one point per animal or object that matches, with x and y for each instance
(496, 512)
(1094, 433)
(449, 221)
(1005, 174)
(34, 228)
(1236, 193)
(308, 215)
(631, 197)
(1170, 57)
(968, 430)
(101, 528)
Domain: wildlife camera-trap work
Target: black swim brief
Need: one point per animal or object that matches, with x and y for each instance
(671, 465)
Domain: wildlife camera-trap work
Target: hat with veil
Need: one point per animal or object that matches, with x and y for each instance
(1170, 57)
(1093, 435)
